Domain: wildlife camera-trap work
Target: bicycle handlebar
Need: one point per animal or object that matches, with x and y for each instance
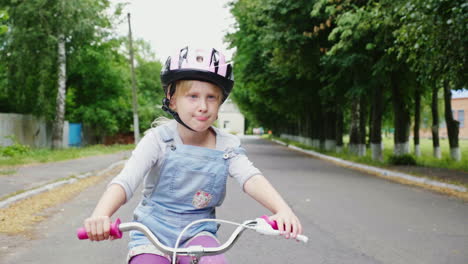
(262, 225)
(114, 231)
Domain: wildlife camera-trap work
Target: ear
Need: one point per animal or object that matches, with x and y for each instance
(172, 102)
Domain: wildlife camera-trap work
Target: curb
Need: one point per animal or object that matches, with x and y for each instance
(55, 184)
(377, 171)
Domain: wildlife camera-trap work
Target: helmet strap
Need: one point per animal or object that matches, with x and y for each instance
(165, 107)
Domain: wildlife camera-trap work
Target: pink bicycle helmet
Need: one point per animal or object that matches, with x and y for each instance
(196, 64)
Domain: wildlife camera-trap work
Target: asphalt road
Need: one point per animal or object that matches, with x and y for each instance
(349, 217)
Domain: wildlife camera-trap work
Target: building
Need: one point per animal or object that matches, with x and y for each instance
(230, 119)
(459, 111)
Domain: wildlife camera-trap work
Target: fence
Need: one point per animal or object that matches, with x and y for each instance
(28, 130)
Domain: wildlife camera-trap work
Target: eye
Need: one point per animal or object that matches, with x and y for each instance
(212, 97)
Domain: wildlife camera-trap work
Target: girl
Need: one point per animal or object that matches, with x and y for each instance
(184, 165)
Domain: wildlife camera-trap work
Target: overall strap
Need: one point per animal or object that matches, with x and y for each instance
(167, 136)
(232, 152)
(165, 133)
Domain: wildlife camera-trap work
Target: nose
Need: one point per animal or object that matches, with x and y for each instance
(202, 106)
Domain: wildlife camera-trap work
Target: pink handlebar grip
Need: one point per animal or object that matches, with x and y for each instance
(272, 223)
(114, 231)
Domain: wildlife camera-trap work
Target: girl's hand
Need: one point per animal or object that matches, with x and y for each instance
(98, 228)
(288, 223)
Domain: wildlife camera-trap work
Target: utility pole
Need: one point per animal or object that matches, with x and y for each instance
(136, 126)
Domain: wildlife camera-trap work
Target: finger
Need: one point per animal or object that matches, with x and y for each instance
(93, 236)
(99, 230)
(280, 224)
(299, 231)
(87, 226)
(106, 228)
(299, 228)
(287, 229)
(294, 227)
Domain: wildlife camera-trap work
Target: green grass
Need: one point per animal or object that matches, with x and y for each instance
(426, 158)
(42, 155)
(7, 172)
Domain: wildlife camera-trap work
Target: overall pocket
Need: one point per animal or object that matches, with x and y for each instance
(186, 185)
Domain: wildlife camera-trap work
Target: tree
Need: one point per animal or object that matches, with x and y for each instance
(99, 93)
(3, 91)
(275, 83)
(346, 62)
(99, 89)
(78, 22)
(361, 33)
(42, 35)
(150, 91)
(3, 17)
(432, 39)
(29, 55)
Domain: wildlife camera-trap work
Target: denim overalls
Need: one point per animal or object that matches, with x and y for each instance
(192, 182)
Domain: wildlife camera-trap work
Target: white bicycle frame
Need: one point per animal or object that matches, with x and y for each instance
(195, 252)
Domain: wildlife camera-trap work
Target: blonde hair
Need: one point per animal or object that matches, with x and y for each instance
(182, 88)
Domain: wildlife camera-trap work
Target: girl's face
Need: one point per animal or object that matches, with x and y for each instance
(198, 104)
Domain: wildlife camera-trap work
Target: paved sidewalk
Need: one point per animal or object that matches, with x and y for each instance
(32, 176)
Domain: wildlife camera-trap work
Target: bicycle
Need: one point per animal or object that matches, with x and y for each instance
(262, 225)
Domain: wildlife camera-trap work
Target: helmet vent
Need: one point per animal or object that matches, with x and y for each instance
(200, 59)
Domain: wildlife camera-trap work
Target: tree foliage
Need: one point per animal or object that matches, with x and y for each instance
(306, 63)
(98, 71)
(30, 47)
(432, 38)
(3, 17)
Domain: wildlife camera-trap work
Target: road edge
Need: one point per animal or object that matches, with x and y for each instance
(377, 171)
(56, 183)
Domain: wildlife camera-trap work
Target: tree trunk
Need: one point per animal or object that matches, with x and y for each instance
(369, 119)
(315, 129)
(354, 130)
(452, 124)
(362, 127)
(323, 128)
(330, 141)
(401, 120)
(376, 121)
(307, 123)
(417, 121)
(339, 130)
(435, 121)
(57, 130)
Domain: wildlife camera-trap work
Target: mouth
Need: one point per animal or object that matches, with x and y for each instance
(201, 118)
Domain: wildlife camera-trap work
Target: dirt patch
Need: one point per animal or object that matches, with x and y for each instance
(21, 216)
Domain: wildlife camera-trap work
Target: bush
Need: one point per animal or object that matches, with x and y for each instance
(15, 149)
(405, 159)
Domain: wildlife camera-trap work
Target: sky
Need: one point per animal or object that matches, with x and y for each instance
(169, 25)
